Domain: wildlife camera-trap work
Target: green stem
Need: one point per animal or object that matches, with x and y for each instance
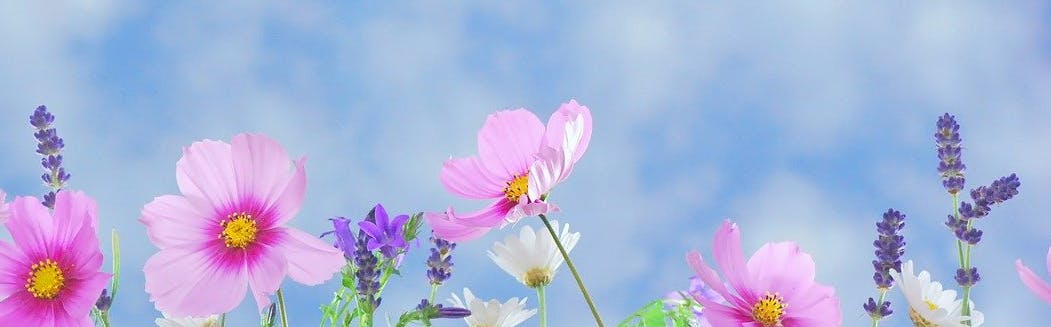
(573, 269)
(281, 306)
(222, 320)
(964, 251)
(882, 296)
(105, 319)
(543, 305)
(434, 292)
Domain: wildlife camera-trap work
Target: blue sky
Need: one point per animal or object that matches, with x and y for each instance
(801, 123)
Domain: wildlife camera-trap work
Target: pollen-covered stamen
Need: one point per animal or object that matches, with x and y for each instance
(517, 187)
(239, 230)
(769, 310)
(45, 280)
(918, 320)
(537, 277)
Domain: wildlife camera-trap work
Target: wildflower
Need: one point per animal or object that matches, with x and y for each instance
(226, 233)
(168, 321)
(532, 257)
(344, 237)
(674, 300)
(104, 301)
(950, 166)
(492, 313)
(384, 234)
(775, 288)
(890, 246)
(519, 161)
(440, 262)
(437, 311)
(929, 304)
(1036, 285)
(367, 273)
(51, 274)
(49, 145)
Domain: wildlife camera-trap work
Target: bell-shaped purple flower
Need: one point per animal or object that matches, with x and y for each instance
(384, 234)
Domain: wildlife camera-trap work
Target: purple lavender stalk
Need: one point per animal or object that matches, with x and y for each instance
(49, 145)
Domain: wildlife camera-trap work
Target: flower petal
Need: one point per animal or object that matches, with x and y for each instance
(467, 178)
(1033, 282)
(261, 166)
(12, 265)
(709, 276)
(507, 142)
(493, 215)
(206, 171)
(78, 300)
(172, 220)
(556, 129)
(291, 200)
(451, 230)
(27, 225)
(730, 258)
(311, 261)
(781, 267)
(178, 277)
(267, 266)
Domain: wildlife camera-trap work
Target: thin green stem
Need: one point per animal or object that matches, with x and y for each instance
(964, 251)
(281, 306)
(104, 317)
(222, 320)
(573, 269)
(882, 296)
(543, 305)
(434, 292)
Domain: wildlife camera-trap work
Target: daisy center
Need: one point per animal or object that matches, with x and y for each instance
(537, 277)
(517, 187)
(769, 310)
(930, 305)
(45, 280)
(918, 320)
(239, 230)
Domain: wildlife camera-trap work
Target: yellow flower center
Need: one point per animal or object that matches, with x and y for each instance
(918, 320)
(239, 230)
(769, 310)
(537, 277)
(516, 187)
(45, 280)
(930, 305)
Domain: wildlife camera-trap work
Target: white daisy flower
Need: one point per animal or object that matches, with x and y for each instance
(929, 304)
(492, 313)
(532, 257)
(167, 321)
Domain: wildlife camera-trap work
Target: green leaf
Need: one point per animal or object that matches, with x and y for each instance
(651, 315)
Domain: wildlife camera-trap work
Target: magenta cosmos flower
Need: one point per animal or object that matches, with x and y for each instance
(226, 231)
(1032, 281)
(774, 288)
(51, 277)
(519, 161)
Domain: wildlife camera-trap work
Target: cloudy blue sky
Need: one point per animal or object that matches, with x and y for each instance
(800, 122)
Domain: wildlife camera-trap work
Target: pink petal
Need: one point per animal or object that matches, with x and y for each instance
(782, 268)
(508, 141)
(493, 215)
(12, 266)
(261, 166)
(291, 200)
(1033, 282)
(467, 178)
(172, 220)
(78, 300)
(550, 168)
(206, 171)
(28, 224)
(556, 127)
(310, 260)
(721, 315)
(730, 257)
(529, 210)
(266, 268)
(178, 278)
(453, 231)
(82, 252)
(709, 277)
(815, 302)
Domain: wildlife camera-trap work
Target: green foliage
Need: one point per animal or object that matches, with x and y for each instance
(651, 315)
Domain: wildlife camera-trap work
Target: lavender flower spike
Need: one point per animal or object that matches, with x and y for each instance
(440, 263)
(49, 145)
(950, 165)
(367, 274)
(890, 246)
(437, 311)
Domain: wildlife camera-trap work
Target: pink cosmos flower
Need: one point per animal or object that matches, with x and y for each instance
(227, 232)
(51, 277)
(1033, 282)
(4, 213)
(775, 288)
(519, 161)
